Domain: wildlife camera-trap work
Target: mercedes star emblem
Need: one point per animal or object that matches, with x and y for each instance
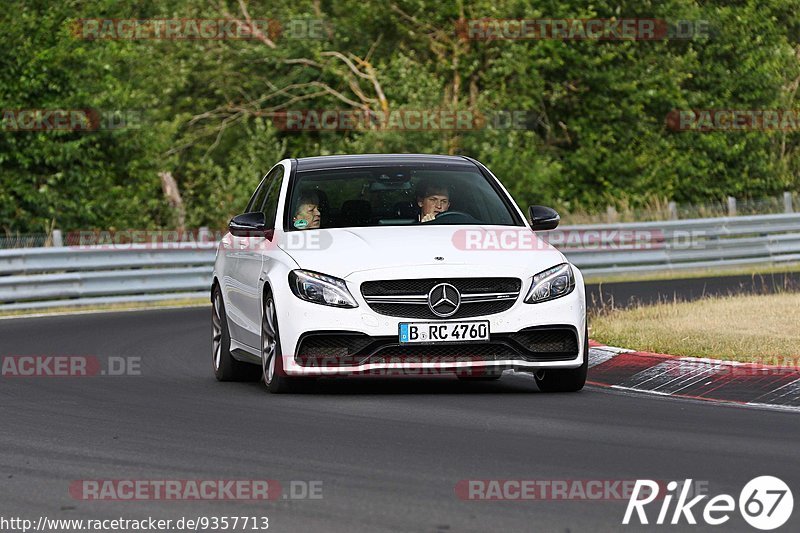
(444, 300)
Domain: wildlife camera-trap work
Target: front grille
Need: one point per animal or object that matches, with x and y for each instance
(551, 343)
(423, 286)
(480, 296)
(420, 311)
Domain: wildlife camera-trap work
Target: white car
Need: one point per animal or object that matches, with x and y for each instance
(393, 264)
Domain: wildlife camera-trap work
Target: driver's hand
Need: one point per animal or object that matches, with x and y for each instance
(428, 217)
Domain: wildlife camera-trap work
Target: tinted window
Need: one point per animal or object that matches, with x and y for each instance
(400, 195)
(257, 200)
(270, 208)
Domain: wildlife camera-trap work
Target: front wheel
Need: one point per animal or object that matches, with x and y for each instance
(565, 379)
(275, 378)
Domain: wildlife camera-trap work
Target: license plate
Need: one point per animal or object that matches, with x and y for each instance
(435, 332)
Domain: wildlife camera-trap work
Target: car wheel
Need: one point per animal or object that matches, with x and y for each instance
(565, 379)
(226, 368)
(273, 374)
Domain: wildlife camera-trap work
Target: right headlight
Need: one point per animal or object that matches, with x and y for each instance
(320, 289)
(551, 284)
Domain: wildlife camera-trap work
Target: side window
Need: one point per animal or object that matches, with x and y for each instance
(273, 195)
(257, 200)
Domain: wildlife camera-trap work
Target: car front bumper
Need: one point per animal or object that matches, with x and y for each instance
(299, 320)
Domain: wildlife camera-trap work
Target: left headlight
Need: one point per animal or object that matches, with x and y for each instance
(551, 284)
(320, 289)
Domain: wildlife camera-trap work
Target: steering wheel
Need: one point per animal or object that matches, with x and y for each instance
(454, 217)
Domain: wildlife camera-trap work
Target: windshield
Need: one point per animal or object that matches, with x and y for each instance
(394, 196)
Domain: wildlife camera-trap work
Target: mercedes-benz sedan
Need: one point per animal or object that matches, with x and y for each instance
(394, 264)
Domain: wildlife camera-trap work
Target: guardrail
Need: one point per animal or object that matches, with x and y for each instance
(33, 278)
(681, 244)
(44, 277)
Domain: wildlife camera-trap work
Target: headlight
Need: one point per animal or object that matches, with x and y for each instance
(551, 284)
(320, 289)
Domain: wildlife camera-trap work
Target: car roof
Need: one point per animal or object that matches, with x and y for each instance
(379, 160)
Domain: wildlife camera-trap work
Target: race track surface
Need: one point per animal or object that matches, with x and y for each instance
(629, 293)
(389, 453)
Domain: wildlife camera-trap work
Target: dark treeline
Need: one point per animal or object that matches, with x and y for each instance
(209, 112)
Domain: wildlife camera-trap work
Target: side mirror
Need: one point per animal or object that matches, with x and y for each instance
(248, 225)
(543, 218)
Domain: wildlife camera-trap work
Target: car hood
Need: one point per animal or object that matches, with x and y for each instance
(342, 252)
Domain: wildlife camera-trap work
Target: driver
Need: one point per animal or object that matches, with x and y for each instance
(432, 198)
(307, 215)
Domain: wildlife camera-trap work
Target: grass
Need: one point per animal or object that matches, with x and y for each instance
(754, 328)
(184, 302)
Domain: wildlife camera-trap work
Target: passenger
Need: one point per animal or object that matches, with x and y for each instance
(307, 215)
(432, 198)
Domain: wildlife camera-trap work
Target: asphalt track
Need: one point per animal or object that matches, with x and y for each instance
(628, 293)
(389, 453)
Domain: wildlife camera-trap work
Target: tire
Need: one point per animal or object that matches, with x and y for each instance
(273, 375)
(565, 379)
(225, 367)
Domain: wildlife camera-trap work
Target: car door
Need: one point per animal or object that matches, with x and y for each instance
(249, 260)
(233, 248)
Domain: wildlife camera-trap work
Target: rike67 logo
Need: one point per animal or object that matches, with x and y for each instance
(765, 503)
